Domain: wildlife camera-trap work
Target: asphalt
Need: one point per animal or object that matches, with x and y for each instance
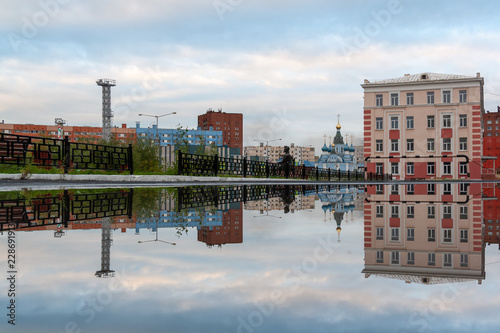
(15, 182)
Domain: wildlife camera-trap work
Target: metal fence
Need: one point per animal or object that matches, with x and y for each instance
(202, 165)
(24, 150)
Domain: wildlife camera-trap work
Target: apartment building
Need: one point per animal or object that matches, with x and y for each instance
(424, 126)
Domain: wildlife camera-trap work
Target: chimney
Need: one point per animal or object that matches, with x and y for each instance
(478, 74)
(366, 81)
(407, 74)
(124, 125)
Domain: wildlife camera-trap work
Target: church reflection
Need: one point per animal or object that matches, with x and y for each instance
(422, 233)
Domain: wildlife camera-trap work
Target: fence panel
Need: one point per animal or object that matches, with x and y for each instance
(22, 150)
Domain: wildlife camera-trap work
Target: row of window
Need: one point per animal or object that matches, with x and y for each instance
(431, 235)
(431, 258)
(446, 145)
(431, 189)
(431, 212)
(445, 98)
(431, 121)
(431, 168)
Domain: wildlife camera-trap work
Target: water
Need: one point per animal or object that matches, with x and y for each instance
(303, 259)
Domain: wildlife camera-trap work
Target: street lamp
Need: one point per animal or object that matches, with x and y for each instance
(267, 145)
(156, 116)
(156, 238)
(157, 136)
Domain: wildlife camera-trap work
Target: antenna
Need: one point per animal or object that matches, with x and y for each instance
(107, 114)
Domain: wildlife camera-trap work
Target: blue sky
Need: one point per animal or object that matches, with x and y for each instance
(289, 67)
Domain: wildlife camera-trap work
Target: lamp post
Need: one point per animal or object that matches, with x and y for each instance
(157, 136)
(157, 116)
(267, 145)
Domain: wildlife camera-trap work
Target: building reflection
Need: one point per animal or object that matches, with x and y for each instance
(424, 233)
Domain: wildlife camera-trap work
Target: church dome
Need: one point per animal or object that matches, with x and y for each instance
(324, 148)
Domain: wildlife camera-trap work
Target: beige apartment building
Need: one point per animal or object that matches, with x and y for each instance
(273, 154)
(424, 126)
(416, 234)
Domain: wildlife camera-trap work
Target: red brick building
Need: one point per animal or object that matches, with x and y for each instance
(491, 142)
(74, 133)
(231, 125)
(231, 231)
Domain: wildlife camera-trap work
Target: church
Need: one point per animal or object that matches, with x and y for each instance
(337, 155)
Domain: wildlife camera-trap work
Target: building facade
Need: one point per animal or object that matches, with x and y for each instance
(416, 125)
(231, 125)
(415, 234)
(491, 143)
(74, 133)
(174, 136)
(273, 154)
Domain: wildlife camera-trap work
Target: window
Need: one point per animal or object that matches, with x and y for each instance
(447, 189)
(409, 98)
(430, 97)
(379, 168)
(394, 211)
(394, 123)
(446, 144)
(395, 258)
(410, 234)
(431, 259)
(410, 258)
(431, 235)
(463, 168)
(410, 168)
(394, 99)
(379, 211)
(462, 120)
(430, 121)
(380, 233)
(379, 100)
(464, 260)
(462, 94)
(431, 169)
(380, 256)
(431, 212)
(395, 234)
(447, 259)
(446, 168)
(379, 189)
(410, 189)
(431, 188)
(395, 168)
(463, 188)
(409, 122)
(446, 212)
(410, 212)
(379, 123)
(410, 146)
(430, 144)
(446, 96)
(489, 122)
(379, 145)
(394, 189)
(464, 210)
(464, 235)
(395, 145)
(462, 143)
(447, 120)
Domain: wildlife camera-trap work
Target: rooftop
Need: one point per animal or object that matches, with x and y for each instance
(423, 78)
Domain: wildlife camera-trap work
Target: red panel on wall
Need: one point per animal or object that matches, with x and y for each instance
(394, 134)
(394, 222)
(447, 223)
(447, 198)
(420, 189)
(420, 169)
(447, 133)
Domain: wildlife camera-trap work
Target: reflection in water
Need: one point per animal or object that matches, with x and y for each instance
(421, 233)
(424, 233)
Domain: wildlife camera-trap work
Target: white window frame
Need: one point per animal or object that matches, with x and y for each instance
(446, 96)
(379, 123)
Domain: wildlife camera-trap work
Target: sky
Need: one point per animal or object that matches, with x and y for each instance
(290, 67)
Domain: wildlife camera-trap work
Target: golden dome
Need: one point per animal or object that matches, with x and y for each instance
(338, 125)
